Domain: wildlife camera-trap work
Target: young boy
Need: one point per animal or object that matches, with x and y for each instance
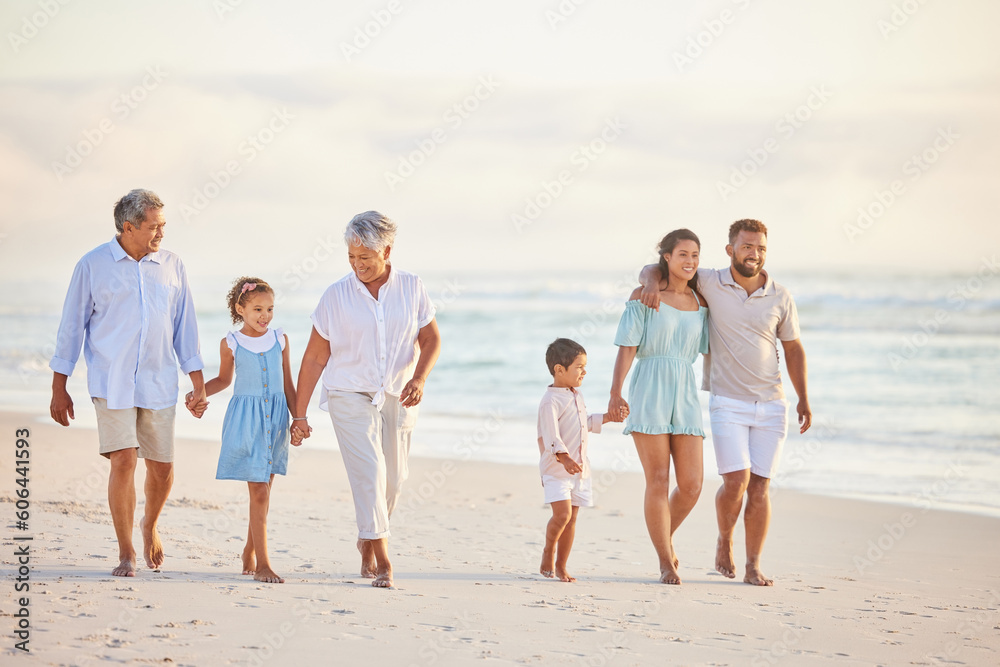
(563, 424)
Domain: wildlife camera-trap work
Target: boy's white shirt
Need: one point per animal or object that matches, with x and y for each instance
(563, 424)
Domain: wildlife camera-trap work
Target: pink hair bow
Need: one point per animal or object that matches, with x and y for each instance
(248, 287)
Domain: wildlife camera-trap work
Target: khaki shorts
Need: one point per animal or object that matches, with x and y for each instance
(151, 431)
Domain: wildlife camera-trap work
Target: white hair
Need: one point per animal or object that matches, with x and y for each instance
(133, 208)
(372, 230)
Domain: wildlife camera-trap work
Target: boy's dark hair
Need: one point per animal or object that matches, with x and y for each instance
(562, 351)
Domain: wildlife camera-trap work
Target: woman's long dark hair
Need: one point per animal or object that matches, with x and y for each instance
(667, 246)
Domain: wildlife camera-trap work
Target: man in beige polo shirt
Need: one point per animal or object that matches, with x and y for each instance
(748, 314)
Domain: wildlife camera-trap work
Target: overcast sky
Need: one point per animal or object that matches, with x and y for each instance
(517, 135)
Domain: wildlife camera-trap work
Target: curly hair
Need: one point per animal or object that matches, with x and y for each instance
(243, 289)
(746, 225)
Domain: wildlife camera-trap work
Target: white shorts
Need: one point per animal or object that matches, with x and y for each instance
(576, 489)
(748, 434)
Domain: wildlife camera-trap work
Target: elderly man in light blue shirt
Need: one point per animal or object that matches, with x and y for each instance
(129, 307)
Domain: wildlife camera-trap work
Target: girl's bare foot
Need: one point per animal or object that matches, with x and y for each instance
(268, 576)
(369, 568)
(383, 579)
(249, 561)
(564, 575)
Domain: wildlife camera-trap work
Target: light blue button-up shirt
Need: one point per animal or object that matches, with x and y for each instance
(135, 321)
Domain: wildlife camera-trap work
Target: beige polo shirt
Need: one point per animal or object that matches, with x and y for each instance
(743, 334)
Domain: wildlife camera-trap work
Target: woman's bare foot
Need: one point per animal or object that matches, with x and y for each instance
(668, 575)
(126, 568)
(756, 577)
(383, 578)
(369, 568)
(677, 561)
(724, 564)
(563, 575)
(152, 548)
(548, 567)
(268, 576)
(249, 561)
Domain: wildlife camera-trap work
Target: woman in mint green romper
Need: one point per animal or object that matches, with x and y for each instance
(663, 413)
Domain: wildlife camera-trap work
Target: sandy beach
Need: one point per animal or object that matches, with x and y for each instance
(856, 583)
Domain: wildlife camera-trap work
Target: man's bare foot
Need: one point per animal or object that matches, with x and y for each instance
(126, 568)
(268, 576)
(152, 548)
(563, 575)
(548, 567)
(383, 579)
(369, 568)
(249, 561)
(669, 576)
(724, 564)
(756, 577)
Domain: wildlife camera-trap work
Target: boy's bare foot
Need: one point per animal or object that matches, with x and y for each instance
(548, 567)
(563, 575)
(126, 568)
(369, 568)
(669, 576)
(249, 561)
(724, 564)
(152, 548)
(268, 576)
(756, 577)
(383, 579)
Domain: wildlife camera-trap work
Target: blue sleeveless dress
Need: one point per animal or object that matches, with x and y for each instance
(255, 430)
(662, 394)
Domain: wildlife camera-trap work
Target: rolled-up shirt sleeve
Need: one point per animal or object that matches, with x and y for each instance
(595, 421)
(186, 344)
(425, 308)
(548, 428)
(77, 309)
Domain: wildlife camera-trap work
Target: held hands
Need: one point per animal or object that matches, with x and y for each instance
(196, 404)
(412, 393)
(617, 408)
(572, 467)
(300, 431)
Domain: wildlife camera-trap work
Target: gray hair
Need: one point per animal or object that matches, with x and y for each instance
(133, 206)
(372, 230)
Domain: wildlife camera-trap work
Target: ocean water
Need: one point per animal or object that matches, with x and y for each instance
(903, 376)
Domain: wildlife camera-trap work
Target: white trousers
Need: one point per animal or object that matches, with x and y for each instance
(375, 445)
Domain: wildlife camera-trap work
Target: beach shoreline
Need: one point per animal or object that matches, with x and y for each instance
(855, 582)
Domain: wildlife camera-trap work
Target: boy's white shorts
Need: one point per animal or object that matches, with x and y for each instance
(748, 434)
(576, 489)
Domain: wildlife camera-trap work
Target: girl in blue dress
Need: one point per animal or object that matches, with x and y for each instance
(255, 430)
(664, 416)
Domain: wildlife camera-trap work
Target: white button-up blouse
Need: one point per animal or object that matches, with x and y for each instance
(373, 342)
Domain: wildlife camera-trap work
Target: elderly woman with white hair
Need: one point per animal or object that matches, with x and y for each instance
(374, 341)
